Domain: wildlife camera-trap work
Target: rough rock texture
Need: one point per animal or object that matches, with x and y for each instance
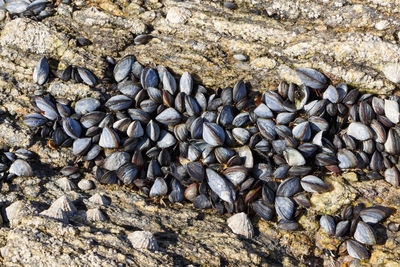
(352, 41)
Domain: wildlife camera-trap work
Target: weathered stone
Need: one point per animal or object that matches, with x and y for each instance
(392, 72)
(33, 37)
(178, 15)
(200, 37)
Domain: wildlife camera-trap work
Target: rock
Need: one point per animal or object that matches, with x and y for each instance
(100, 200)
(392, 72)
(381, 25)
(2, 14)
(331, 202)
(57, 214)
(71, 91)
(196, 37)
(95, 215)
(33, 37)
(143, 240)
(241, 225)
(93, 17)
(178, 15)
(240, 57)
(263, 63)
(13, 210)
(65, 204)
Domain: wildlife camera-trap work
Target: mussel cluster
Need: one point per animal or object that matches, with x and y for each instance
(232, 149)
(15, 163)
(37, 9)
(359, 223)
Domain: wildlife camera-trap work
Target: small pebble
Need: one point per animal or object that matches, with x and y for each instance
(39, 92)
(85, 185)
(13, 210)
(230, 5)
(142, 39)
(381, 25)
(394, 227)
(240, 57)
(177, 15)
(82, 41)
(2, 14)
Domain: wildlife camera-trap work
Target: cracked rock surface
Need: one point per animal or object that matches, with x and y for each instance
(351, 41)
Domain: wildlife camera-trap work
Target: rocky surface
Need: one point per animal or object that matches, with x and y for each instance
(351, 41)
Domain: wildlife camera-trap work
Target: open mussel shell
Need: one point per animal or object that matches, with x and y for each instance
(299, 96)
